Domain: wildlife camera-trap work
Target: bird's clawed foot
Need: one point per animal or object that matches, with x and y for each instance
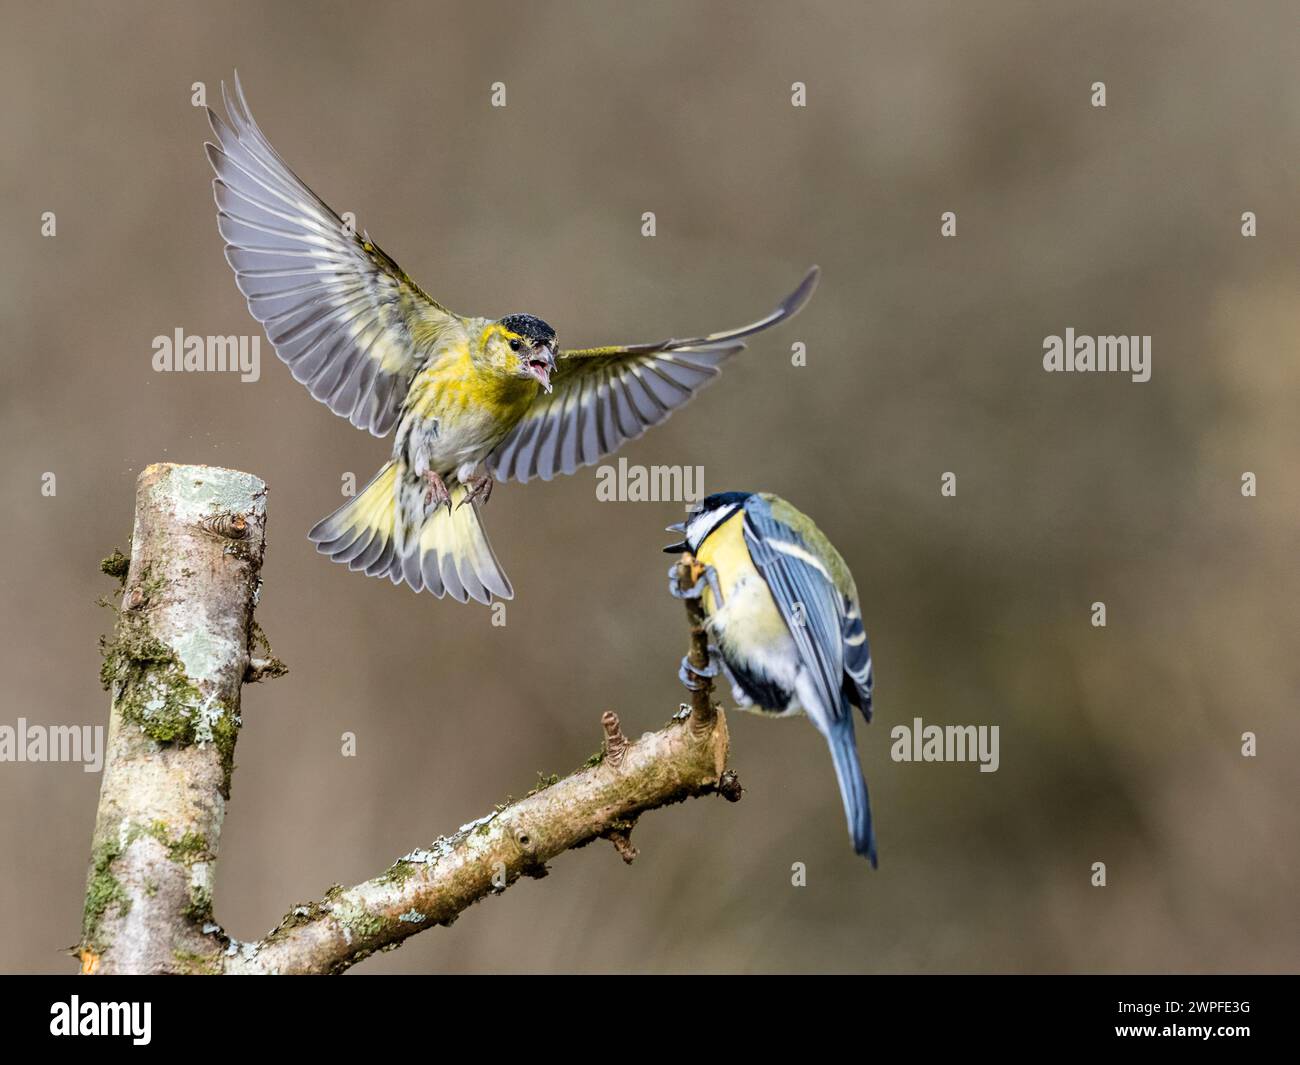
(696, 678)
(707, 577)
(477, 488)
(437, 494)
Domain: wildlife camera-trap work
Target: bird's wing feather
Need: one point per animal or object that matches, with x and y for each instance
(604, 397)
(808, 601)
(857, 657)
(344, 316)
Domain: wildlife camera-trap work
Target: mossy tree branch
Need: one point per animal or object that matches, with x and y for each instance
(175, 665)
(433, 885)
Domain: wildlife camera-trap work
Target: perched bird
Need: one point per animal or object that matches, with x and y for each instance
(472, 399)
(782, 612)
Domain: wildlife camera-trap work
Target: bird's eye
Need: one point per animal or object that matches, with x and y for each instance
(514, 345)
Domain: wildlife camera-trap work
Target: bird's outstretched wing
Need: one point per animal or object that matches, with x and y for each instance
(346, 319)
(603, 397)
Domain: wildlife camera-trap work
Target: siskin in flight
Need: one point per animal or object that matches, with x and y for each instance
(782, 612)
(471, 399)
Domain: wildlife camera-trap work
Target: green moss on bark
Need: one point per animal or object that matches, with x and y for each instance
(359, 922)
(152, 691)
(398, 873)
(544, 781)
(189, 963)
(191, 847)
(260, 647)
(199, 908)
(116, 566)
(102, 891)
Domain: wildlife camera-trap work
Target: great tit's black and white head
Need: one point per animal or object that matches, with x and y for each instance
(709, 515)
(524, 346)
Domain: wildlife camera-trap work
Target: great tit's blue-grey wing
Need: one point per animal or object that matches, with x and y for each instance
(350, 324)
(806, 597)
(603, 397)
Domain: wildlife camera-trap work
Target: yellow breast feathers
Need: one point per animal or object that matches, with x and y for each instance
(454, 383)
(748, 613)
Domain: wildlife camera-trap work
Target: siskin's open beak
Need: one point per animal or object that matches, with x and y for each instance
(541, 364)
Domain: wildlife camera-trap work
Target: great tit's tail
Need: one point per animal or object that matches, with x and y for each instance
(853, 787)
(389, 531)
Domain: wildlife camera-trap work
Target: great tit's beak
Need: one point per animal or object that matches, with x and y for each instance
(681, 545)
(541, 364)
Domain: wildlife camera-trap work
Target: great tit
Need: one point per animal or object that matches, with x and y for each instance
(782, 613)
(472, 399)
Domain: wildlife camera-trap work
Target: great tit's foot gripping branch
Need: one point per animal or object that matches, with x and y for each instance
(708, 577)
(675, 588)
(697, 678)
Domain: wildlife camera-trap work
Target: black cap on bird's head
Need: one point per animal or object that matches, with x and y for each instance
(536, 346)
(704, 518)
(530, 326)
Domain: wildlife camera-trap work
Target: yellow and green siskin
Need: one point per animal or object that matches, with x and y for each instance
(472, 399)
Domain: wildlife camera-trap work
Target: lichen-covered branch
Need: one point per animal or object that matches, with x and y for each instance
(174, 666)
(433, 885)
(184, 643)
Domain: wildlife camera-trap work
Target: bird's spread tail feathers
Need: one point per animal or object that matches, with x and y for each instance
(853, 788)
(387, 530)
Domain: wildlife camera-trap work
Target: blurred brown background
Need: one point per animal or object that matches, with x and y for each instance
(1119, 744)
